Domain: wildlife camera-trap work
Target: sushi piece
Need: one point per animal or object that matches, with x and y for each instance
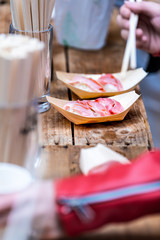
(110, 83)
(100, 107)
(112, 106)
(86, 84)
(106, 83)
(79, 108)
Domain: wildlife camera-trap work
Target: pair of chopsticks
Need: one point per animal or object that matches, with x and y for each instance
(130, 50)
(31, 15)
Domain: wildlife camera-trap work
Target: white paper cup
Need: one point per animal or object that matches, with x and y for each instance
(82, 24)
(13, 178)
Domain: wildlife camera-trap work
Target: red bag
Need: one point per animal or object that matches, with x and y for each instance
(122, 193)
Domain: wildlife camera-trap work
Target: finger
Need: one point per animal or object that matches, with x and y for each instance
(149, 9)
(125, 12)
(139, 33)
(123, 23)
(145, 39)
(124, 34)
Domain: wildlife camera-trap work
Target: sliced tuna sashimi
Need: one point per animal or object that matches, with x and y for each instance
(110, 83)
(112, 106)
(100, 107)
(79, 108)
(87, 84)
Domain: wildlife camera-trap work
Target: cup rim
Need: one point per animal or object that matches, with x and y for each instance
(50, 28)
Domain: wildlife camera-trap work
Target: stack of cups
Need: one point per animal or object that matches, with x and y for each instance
(19, 66)
(20, 61)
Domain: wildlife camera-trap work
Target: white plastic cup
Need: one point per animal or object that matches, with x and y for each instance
(82, 24)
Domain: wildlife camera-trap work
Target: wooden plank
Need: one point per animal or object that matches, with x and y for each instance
(134, 130)
(57, 129)
(63, 161)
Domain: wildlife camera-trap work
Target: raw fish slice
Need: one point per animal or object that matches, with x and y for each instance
(126, 100)
(99, 109)
(112, 106)
(110, 83)
(86, 83)
(78, 108)
(116, 107)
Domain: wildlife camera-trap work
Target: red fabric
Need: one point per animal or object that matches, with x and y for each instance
(145, 169)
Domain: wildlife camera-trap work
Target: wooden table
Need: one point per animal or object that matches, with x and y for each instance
(63, 140)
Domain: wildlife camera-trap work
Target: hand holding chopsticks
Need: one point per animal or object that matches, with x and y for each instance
(130, 51)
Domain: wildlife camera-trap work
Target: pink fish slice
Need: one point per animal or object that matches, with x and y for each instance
(98, 108)
(111, 80)
(79, 108)
(112, 106)
(89, 82)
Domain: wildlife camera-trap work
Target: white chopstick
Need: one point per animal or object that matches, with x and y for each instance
(35, 15)
(51, 6)
(31, 15)
(133, 60)
(26, 8)
(130, 51)
(46, 12)
(41, 14)
(16, 10)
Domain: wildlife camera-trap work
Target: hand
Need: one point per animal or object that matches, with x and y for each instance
(31, 210)
(148, 30)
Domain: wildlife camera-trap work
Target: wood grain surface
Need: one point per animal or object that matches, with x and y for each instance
(62, 141)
